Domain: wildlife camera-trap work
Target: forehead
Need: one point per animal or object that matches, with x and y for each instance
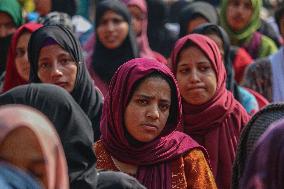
(4, 17)
(111, 14)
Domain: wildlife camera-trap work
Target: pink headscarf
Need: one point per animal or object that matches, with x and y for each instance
(154, 170)
(216, 124)
(16, 116)
(12, 77)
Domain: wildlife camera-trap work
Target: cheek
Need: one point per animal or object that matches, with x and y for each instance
(181, 80)
(123, 30)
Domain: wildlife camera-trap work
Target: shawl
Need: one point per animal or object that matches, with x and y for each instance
(194, 9)
(12, 78)
(251, 133)
(151, 157)
(106, 61)
(265, 166)
(14, 117)
(85, 93)
(71, 123)
(277, 70)
(13, 9)
(142, 39)
(246, 33)
(216, 124)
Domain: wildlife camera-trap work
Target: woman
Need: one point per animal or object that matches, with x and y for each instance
(55, 57)
(115, 42)
(18, 66)
(211, 114)
(241, 19)
(265, 166)
(220, 37)
(71, 123)
(139, 15)
(143, 124)
(29, 141)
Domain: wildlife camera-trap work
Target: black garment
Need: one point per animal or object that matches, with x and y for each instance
(160, 38)
(117, 180)
(72, 124)
(84, 92)
(66, 6)
(4, 47)
(205, 29)
(196, 9)
(106, 61)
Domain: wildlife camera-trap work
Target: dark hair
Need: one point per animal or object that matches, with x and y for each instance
(279, 13)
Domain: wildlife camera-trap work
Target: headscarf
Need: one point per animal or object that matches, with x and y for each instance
(106, 61)
(154, 171)
(231, 84)
(85, 93)
(13, 9)
(216, 124)
(265, 167)
(142, 39)
(246, 33)
(12, 77)
(199, 8)
(14, 117)
(66, 6)
(258, 124)
(71, 123)
(12, 177)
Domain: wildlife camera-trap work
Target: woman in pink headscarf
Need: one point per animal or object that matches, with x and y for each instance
(29, 141)
(139, 13)
(141, 116)
(211, 114)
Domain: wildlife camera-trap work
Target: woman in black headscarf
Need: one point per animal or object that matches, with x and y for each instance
(83, 89)
(71, 123)
(115, 42)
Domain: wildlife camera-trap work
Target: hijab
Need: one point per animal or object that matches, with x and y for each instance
(14, 117)
(106, 61)
(265, 166)
(154, 170)
(142, 39)
(246, 33)
(217, 123)
(69, 7)
(193, 10)
(85, 93)
(12, 77)
(209, 28)
(71, 123)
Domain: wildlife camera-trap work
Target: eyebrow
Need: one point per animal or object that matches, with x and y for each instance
(152, 97)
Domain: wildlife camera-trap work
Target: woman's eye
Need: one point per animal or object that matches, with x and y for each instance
(184, 71)
(142, 101)
(204, 68)
(164, 107)
(44, 65)
(20, 53)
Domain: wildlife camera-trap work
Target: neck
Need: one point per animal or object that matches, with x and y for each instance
(125, 167)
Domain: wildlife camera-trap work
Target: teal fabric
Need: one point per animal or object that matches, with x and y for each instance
(13, 9)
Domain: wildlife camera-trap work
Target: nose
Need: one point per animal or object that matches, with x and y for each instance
(153, 112)
(56, 71)
(110, 26)
(194, 76)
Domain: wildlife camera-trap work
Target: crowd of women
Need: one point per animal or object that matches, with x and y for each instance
(155, 94)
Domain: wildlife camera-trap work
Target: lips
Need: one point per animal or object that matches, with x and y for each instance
(150, 127)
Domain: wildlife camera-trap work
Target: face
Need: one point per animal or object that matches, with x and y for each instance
(22, 149)
(56, 66)
(137, 19)
(196, 77)
(21, 58)
(218, 41)
(7, 25)
(194, 23)
(148, 110)
(43, 7)
(112, 30)
(239, 13)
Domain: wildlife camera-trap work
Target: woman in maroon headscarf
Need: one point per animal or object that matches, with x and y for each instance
(141, 116)
(139, 13)
(18, 67)
(211, 114)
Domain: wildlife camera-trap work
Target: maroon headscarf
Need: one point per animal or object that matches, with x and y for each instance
(264, 170)
(216, 124)
(154, 170)
(12, 77)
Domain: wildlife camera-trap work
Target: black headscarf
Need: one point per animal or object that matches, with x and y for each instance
(85, 93)
(231, 84)
(106, 61)
(66, 6)
(72, 124)
(193, 10)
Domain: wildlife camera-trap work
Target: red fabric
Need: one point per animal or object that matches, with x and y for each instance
(216, 124)
(153, 168)
(241, 61)
(259, 98)
(12, 78)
